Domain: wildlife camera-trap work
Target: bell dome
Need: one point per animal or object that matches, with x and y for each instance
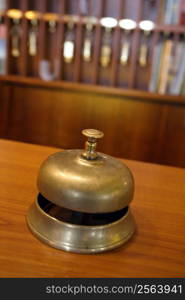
(101, 184)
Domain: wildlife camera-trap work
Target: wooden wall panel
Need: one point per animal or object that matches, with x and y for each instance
(134, 128)
(172, 144)
(4, 108)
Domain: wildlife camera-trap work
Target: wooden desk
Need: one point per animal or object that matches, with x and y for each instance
(156, 250)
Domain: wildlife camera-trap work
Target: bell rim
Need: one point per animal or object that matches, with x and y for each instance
(78, 250)
(125, 226)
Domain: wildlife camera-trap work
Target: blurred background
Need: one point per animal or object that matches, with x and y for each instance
(114, 65)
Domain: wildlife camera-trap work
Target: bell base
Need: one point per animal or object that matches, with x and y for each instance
(79, 238)
(75, 249)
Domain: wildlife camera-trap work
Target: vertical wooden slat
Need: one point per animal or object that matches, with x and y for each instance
(58, 48)
(116, 45)
(24, 5)
(41, 5)
(61, 39)
(7, 24)
(7, 4)
(135, 48)
(41, 34)
(78, 46)
(98, 37)
(24, 31)
(63, 7)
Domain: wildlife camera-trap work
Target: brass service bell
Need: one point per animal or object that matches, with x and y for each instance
(83, 200)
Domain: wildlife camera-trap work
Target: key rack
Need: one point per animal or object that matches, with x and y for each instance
(56, 22)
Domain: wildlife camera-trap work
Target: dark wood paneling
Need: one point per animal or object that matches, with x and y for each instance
(134, 128)
(5, 95)
(172, 144)
(106, 91)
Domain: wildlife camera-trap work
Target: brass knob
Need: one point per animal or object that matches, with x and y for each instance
(91, 143)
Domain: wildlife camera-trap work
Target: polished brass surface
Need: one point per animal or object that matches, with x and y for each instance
(32, 15)
(83, 200)
(93, 133)
(86, 181)
(90, 145)
(50, 17)
(100, 185)
(79, 238)
(14, 13)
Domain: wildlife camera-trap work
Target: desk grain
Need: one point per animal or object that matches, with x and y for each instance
(156, 250)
